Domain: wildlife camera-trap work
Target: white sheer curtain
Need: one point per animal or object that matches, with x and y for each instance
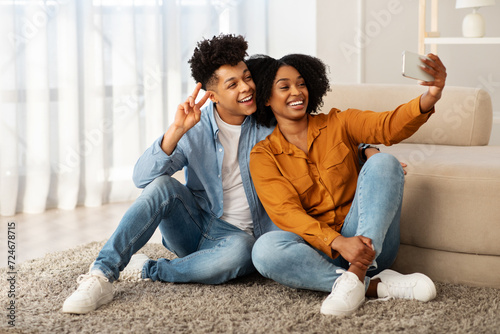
(86, 86)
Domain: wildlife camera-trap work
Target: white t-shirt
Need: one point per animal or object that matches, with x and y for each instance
(236, 208)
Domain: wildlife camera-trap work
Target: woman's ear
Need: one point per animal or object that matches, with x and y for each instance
(267, 103)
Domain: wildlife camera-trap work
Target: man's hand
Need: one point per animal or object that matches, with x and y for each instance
(187, 115)
(356, 250)
(435, 68)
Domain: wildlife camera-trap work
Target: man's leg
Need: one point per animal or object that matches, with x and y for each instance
(160, 198)
(222, 253)
(164, 198)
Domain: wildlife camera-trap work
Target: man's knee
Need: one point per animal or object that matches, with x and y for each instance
(162, 186)
(164, 181)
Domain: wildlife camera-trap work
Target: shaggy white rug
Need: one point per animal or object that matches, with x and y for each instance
(247, 305)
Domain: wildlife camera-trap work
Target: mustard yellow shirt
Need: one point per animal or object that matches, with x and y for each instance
(310, 195)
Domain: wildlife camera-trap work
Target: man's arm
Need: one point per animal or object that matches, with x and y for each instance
(187, 115)
(157, 159)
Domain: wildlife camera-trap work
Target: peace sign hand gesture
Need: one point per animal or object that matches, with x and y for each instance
(188, 113)
(186, 116)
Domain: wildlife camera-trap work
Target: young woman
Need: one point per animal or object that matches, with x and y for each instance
(340, 222)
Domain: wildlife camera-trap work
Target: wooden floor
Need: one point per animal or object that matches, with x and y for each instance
(56, 230)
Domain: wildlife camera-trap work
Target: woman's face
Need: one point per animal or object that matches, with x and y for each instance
(289, 95)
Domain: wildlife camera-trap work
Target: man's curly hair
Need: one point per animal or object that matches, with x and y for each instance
(210, 54)
(264, 69)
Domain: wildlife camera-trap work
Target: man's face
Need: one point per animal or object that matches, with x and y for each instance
(234, 93)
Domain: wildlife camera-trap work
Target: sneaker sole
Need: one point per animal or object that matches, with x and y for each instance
(76, 309)
(328, 311)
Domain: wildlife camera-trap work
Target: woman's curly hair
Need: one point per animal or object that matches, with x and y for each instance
(210, 54)
(264, 69)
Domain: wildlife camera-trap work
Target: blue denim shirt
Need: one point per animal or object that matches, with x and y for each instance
(201, 152)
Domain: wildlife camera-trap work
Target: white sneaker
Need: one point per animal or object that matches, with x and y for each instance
(133, 271)
(414, 286)
(348, 294)
(93, 291)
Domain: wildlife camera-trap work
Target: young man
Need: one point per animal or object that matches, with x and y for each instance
(210, 223)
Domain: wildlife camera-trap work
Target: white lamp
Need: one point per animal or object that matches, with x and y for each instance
(473, 24)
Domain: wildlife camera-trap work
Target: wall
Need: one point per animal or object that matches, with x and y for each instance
(291, 27)
(362, 41)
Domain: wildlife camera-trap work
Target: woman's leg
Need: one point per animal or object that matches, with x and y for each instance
(374, 214)
(287, 259)
(376, 209)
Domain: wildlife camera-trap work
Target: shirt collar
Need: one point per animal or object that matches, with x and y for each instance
(211, 116)
(316, 124)
(278, 143)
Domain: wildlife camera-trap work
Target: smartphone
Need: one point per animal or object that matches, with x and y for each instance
(412, 69)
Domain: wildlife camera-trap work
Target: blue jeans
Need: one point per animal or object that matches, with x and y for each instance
(209, 249)
(375, 213)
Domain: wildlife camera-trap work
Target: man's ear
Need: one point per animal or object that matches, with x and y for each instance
(213, 97)
(211, 86)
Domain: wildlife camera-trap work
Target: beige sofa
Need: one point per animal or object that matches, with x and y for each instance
(450, 221)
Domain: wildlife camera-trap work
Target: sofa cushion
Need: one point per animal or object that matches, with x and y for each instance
(452, 197)
(463, 117)
(451, 267)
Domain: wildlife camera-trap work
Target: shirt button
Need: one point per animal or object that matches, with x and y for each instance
(218, 176)
(220, 149)
(325, 239)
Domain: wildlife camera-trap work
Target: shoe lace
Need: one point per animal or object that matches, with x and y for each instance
(86, 281)
(399, 290)
(343, 285)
